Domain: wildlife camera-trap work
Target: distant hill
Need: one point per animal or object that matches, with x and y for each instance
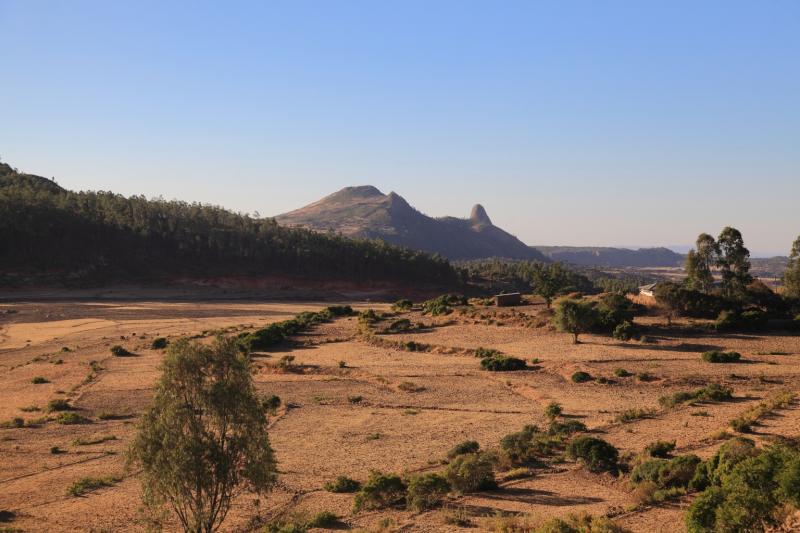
(52, 235)
(613, 257)
(367, 212)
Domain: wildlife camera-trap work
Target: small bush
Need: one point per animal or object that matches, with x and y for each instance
(379, 492)
(566, 428)
(622, 373)
(486, 352)
(119, 351)
(55, 450)
(159, 343)
(402, 305)
(660, 448)
(16, 422)
(271, 403)
(402, 324)
(355, 398)
(426, 491)
(468, 446)
(715, 356)
(342, 484)
(471, 473)
(39, 380)
(323, 519)
(87, 484)
(625, 331)
(58, 404)
(581, 377)
(409, 386)
(69, 418)
(553, 410)
(597, 454)
(503, 364)
(342, 364)
(634, 413)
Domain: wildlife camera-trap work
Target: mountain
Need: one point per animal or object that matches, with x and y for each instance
(50, 235)
(613, 257)
(368, 213)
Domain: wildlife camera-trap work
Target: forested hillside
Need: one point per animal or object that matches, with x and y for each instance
(48, 233)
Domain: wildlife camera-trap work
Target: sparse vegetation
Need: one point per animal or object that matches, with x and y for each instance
(342, 484)
(379, 492)
(596, 454)
(715, 356)
(89, 484)
(581, 377)
(119, 351)
(426, 491)
(502, 363)
(471, 472)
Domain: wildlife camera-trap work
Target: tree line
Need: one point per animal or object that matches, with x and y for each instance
(50, 232)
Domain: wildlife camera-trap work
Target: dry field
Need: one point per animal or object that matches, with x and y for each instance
(323, 431)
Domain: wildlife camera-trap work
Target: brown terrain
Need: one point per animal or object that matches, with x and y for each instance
(322, 430)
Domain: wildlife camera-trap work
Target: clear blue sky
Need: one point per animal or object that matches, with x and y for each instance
(586, 123)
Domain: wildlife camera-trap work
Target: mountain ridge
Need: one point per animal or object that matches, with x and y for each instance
(365, 212)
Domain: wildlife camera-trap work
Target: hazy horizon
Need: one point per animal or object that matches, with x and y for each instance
(575, 125)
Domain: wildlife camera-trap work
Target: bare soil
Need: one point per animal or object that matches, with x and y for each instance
(320, 433)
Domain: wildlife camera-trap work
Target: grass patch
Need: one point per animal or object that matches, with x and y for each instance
(715, 356)
(634, 413)
(88, 484)
(711, 392)
(69, 418)
(744, 422)
(408, 386)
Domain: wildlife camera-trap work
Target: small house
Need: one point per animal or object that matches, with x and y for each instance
(509, 299)
(648, 290)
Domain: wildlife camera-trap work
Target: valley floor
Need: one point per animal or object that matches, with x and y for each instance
(321, 431)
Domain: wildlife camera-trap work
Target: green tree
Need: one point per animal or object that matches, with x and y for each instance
(671, 297)
(574, 316)
(699, 263)
(548, 281)
(204, 438)
(791, 279)
(733, 262)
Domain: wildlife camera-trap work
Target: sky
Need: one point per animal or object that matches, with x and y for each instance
(627, 123)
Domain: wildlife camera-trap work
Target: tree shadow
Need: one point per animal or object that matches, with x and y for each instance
(541, 497)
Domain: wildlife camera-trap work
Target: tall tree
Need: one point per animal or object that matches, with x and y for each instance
(204, 439)
(733, 262)
(791, 279)
(699, 263)
(548, 281)
(575, 316)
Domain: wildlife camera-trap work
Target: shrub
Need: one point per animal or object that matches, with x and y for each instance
(503, 364)
(660, 448)
(119, 351)
(442, 304)
(342, 484)
(16, 422)
(55, 450)
(614, 310)
(622, 373)
(58, 404)
(426, 491)
(70, 418)
(526, 447)
(625, 331)
(159, 343)
(566, 428)
(712, 392)
(581, 377)
(87, 484)
(323, 519)
(409, 386)
(471, 473)
(553, 410)
(402, 324)
(715, 356)
(487, 352)
(39, 380)
(597, 454)
(634, 413)
(271, 403)
(402, 305)
(468, 446)
(379, 492)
